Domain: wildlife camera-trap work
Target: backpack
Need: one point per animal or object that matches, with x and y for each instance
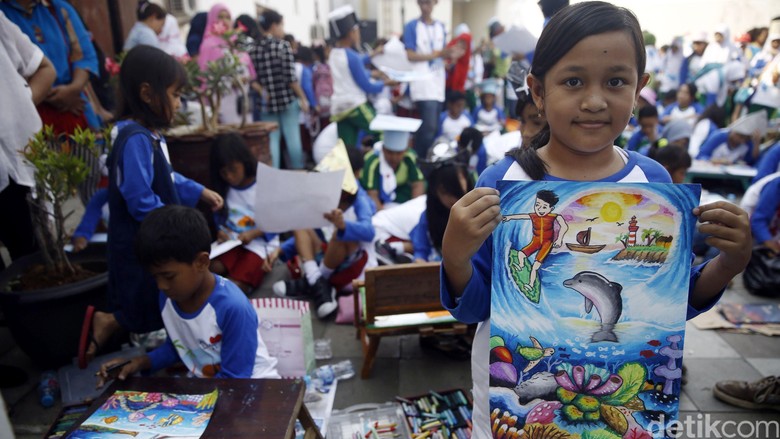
(323, 87)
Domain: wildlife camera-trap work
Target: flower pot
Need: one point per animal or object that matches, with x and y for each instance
(190, 153)
(46, 323)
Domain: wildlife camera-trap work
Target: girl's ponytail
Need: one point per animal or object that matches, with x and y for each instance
(529, 159)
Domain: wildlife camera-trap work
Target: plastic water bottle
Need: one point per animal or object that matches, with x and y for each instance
(340, 371)
(48, 389)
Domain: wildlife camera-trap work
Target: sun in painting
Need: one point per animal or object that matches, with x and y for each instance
(611, 211)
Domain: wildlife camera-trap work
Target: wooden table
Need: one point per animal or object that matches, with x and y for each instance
(705, 169)
(246, 408)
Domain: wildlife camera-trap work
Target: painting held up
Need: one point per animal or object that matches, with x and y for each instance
(588, 307)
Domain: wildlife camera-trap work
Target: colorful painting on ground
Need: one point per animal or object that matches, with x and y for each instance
(148, 415)
(588, 308)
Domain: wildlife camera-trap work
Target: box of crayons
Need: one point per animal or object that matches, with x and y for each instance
(368, 421)
(436, 415)
(68, 417)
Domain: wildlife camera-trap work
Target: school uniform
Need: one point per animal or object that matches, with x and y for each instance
(639, 141)
(768, 163)
(220, 340)
(450, 128)
(701, 132)
(716, 148)
(351, 82)
(141, 180)
(473, 306)
(488, 120)
(675, 112)
(393, 186)
(422, 243)
(95, 210)
(765, 218)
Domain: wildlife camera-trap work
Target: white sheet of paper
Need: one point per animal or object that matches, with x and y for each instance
(516, 40)
(394, 57)
(295, 200)
(218, 249)
(406, 76)
(741, 170)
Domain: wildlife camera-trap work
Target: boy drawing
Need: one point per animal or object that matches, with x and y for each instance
(212, 328)
(543, 240)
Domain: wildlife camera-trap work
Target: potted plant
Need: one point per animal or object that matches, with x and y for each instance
(190, 146)
(43, 295)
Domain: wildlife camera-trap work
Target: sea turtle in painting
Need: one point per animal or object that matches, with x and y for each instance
(534, 354)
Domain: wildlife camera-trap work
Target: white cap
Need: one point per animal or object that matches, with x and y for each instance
(342, 20)
(396, 130)
(750, 123)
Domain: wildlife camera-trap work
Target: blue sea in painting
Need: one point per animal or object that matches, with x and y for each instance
(600, 347)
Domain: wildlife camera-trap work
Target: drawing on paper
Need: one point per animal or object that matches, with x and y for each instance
(588, 308)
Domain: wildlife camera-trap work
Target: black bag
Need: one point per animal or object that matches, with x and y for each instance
(762, 274)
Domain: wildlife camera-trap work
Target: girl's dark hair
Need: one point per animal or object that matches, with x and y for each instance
(469, 142)
(229, 148)
(692, 89)
(446, 177)
(550, 7)
(714, 113)
(147, 9)
(568, 27)
(319, 53)
(670, 157)
(521, 104)
(148, 65)
(268, 18)
(252, 28)
(305, 55)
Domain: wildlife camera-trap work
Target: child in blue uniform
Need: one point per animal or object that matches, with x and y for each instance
(446, 184)
(737, 143)
(233, 170)
(140, 180)
(212, 327)
(586, 79)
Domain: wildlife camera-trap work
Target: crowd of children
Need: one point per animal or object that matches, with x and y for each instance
(419, 188)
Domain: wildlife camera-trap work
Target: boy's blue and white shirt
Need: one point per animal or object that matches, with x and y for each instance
(474, 305)
(220, 340)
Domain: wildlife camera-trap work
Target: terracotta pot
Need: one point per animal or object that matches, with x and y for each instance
(190, 153)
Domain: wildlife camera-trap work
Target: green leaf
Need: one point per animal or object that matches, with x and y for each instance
(633, 375)
(599, 434)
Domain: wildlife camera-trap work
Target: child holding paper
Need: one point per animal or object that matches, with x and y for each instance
(212, 328)
(341, 250)
(350, 108)
(233, 175)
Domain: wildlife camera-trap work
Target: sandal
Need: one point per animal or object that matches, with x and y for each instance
(87, 338)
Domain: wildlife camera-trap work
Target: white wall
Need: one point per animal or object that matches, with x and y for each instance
(390, 20)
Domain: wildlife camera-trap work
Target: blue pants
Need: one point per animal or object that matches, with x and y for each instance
(429, 113)
(288, 127)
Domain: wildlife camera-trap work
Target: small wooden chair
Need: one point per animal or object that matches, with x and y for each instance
(397, 300)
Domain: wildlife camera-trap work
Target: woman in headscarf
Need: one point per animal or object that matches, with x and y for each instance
(214, 47)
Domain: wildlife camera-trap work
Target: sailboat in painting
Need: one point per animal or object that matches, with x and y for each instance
(583, 243)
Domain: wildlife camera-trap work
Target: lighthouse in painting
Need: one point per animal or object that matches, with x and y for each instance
(632, 229)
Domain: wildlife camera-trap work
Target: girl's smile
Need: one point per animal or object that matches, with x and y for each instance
(588, 95)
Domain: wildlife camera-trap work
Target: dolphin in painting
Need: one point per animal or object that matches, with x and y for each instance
(604, 295)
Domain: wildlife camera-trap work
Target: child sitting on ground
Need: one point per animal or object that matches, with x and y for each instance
(212, 328)
(344, 256)
(455, 119)
(233, 175)
(487, 116)
(390, 175)
(649, 129)
(738, 143)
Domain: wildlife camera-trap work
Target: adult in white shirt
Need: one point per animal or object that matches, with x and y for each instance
(27, 78)
(425, 40)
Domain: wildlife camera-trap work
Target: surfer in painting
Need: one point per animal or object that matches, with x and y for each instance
(544, 239)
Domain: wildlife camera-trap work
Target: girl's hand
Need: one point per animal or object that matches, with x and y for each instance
(336, 216)
(729, 230)
(248, 236)
(213, 199)
(222, 236)
(472, 219)
(268, 264)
